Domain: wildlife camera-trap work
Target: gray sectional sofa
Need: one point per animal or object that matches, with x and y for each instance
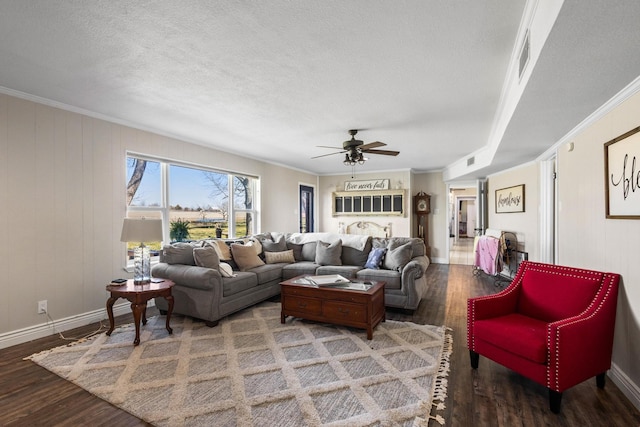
(214, 278)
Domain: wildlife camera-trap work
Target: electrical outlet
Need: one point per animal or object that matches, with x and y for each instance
(42, 306)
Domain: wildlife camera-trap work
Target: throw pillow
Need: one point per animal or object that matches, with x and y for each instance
(206, 257)
(245, 256)
(328, 254)
(224, 252)
(253, 243)
(374, 260)
(397, 258)
(297, 251)
(178, 253)
(279, 246)
(226, 270)
(278, 257)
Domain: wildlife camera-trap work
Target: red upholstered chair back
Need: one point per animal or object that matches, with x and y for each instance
(552, 292)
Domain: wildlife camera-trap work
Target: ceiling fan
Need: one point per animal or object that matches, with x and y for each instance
(354, 150)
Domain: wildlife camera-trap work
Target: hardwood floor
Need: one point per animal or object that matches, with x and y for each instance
(489, 396)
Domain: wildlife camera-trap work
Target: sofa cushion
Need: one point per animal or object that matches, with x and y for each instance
(353, 256)
(268, 273)
(299, 268)
(206, 257)
(374, 260)
(279, 257)
(397, 257)
(279, 246)
(309, 251)
(178, 253)
(329, 253)
(224, 252)
(522, 335)
(392, 278)
(240, 282)
(245, 256)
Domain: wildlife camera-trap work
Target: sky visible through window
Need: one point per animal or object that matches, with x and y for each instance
(189, 187)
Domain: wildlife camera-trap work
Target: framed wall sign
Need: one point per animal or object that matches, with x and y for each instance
(622, 176)
(510, 199)
(372, 184)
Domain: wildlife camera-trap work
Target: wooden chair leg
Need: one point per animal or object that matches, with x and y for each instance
(475, 358)
(555, 398)
(600, 380)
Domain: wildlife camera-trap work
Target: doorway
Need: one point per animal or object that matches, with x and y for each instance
(462, 225)
(306, 209)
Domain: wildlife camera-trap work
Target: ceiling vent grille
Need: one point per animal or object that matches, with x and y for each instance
(524, 55)
(471, 161)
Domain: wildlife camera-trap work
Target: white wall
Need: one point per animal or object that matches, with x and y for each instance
(433, 184)
(523, 224)
(62, 201)
(400, 225)
(588, 239)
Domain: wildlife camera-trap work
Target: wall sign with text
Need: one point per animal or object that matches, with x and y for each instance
(372, 184)
(622, 176)
(510, 199)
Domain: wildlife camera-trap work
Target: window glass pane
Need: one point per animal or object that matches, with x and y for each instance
(377, 203)
(397, 203)
(242, 219)
(339, 204)
(386, 203)
(198, 203)
(357, 204)
(347, 204)
(366, 204)
(143, 182)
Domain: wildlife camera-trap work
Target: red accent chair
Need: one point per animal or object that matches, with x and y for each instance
(552, 324)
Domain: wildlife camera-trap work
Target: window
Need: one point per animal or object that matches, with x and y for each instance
(193, 202)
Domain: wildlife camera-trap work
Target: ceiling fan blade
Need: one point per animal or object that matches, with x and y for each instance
(375, 144)
(383, 152)
(326, 146)
(330, 154)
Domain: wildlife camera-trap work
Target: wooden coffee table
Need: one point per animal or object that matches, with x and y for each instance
(138, 295)
(342, 306)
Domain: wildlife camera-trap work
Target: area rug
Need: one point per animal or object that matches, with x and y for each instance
(251, 370)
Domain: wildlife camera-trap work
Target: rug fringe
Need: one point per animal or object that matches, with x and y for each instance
(440, 391)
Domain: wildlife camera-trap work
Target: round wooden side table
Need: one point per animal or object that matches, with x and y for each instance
(138, 295)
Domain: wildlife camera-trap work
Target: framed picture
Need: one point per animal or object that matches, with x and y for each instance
(622, 176)
(510, 199)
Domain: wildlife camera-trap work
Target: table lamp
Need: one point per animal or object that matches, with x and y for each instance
(141, 230)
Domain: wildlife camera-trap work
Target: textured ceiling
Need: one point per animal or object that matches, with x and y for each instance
(273, 80)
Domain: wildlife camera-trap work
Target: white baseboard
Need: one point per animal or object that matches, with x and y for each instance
(624, 383)
(42, 330)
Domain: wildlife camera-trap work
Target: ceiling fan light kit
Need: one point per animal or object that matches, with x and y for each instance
(354, 150)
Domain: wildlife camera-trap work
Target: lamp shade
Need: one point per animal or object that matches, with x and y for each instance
(141, 230)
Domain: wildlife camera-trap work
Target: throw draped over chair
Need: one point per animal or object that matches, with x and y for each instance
(552, 324)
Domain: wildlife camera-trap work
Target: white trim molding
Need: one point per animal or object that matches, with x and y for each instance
(626, 386)
(42, 330)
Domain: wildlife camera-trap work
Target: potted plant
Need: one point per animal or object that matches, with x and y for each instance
(179, 230)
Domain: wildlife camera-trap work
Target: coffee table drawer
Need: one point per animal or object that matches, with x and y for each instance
(344, 311)
(304, 305)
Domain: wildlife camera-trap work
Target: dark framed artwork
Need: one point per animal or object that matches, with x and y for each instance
(622, 176)
(510, 199)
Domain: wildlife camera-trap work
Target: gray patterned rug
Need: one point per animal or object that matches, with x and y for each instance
(251, 370)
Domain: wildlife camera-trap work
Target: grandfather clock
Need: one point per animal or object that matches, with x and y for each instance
(422, 208)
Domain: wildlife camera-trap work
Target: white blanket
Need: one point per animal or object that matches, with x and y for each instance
(350, 240)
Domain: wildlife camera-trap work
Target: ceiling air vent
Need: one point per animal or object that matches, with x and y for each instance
(524, 55)
(471, 161)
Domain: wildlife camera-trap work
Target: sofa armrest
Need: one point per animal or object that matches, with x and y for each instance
(190, 276)
(415, 268)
